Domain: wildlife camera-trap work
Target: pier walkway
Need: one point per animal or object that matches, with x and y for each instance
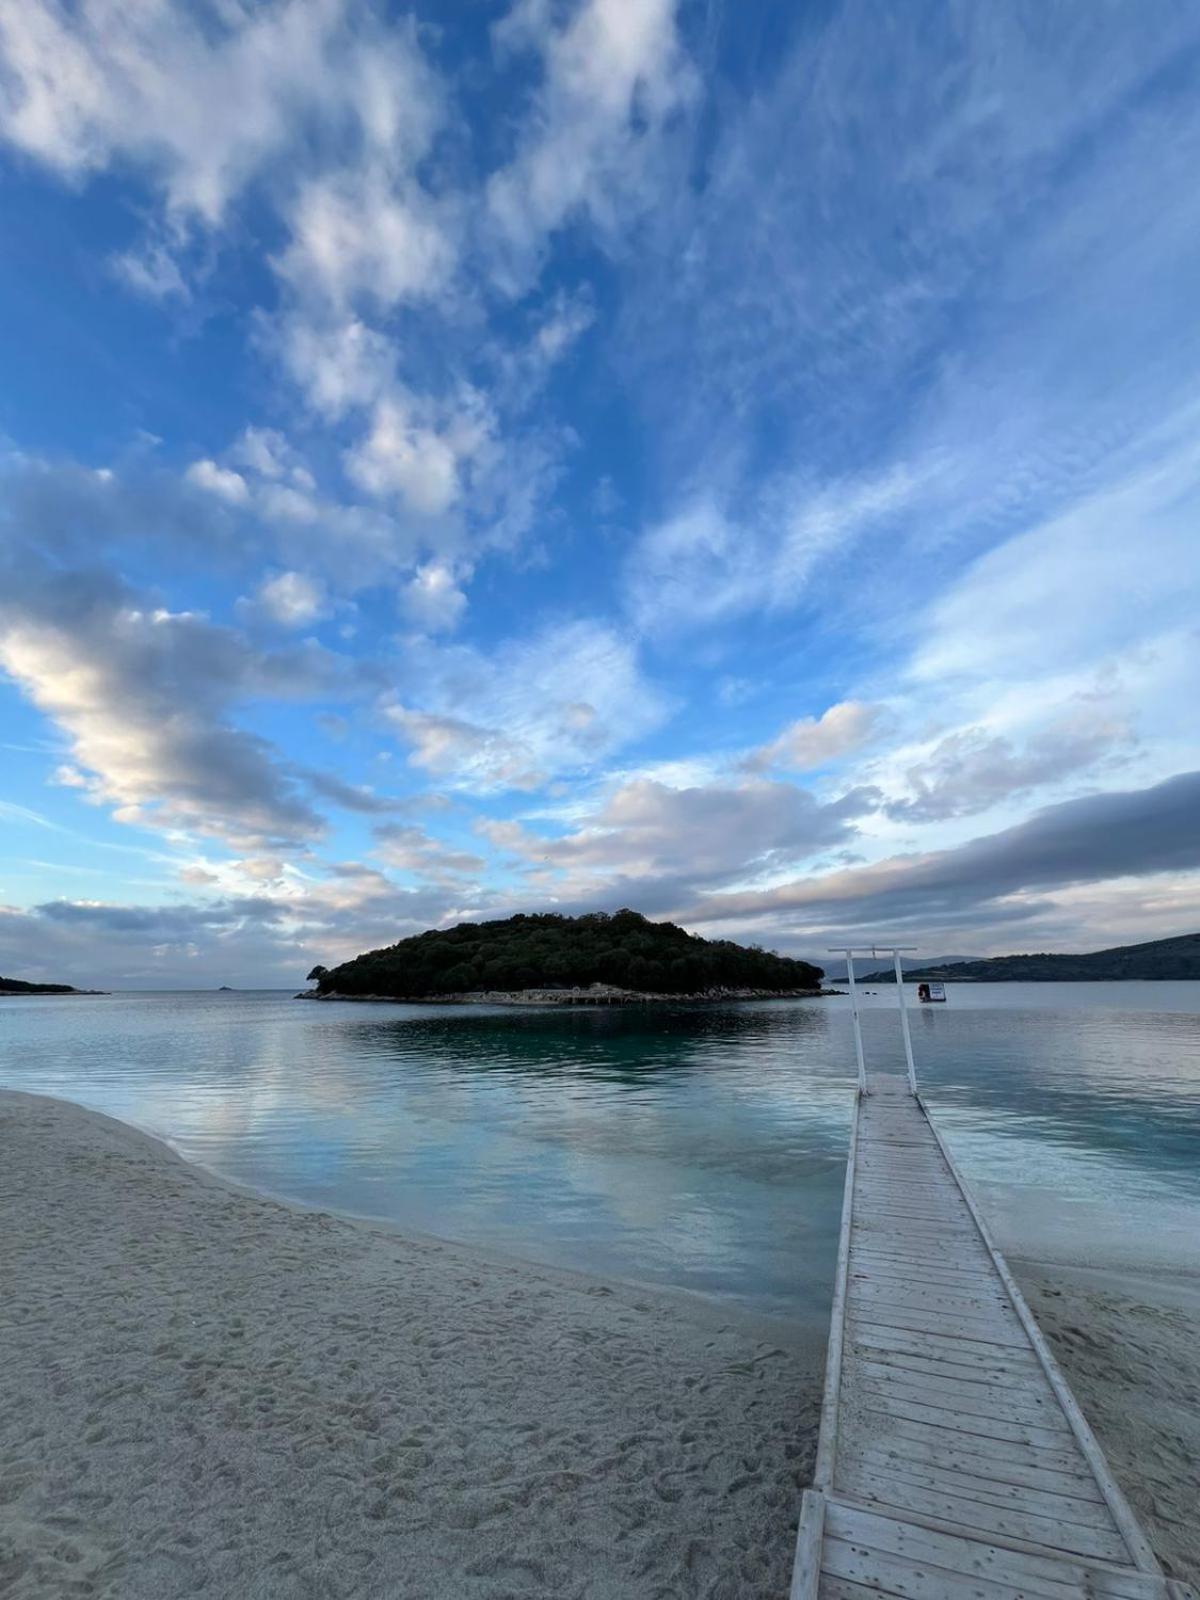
(953, 1459)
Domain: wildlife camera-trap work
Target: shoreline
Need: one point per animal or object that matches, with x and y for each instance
(210, 1391)
(595, 995)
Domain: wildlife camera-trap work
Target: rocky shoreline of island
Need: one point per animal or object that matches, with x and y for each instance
(596, 994)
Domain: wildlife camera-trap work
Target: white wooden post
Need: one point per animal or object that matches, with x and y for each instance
(858, 1044)
(908, 1055)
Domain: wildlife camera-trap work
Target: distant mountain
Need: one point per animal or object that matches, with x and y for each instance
(549, 952)
(18, 986)
(835, 966)
(1157, 959)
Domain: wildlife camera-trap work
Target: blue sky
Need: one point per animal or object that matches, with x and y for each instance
(740, 463)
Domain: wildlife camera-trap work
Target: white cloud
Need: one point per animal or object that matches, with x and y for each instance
(205, 99)
(144, 696)
(566, 322)
(221, 481)
(708, 564)
(432, 598)
(355, 236)
(972, 769)
(339, 365)
(411, 849)
(292, 599)
(1082, 585)
(471, 757)
(558, 701)
(1007, 877)
(813, 741)
(265, 451)
(655, 844)
(413, 452)
(251, 928)
(151, 269)
(614, 75)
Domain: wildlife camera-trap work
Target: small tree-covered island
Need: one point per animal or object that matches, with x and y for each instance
(549, 959)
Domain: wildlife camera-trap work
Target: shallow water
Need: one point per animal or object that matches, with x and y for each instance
(697, 1147)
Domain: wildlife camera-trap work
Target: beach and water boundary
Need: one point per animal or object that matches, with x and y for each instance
(211, 1391)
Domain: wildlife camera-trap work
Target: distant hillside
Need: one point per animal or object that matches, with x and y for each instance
(16, 986)
(835, 966)
(1157, 959)
(548, 952)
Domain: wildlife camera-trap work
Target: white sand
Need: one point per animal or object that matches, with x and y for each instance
(208, 1393)
(1129, 1345)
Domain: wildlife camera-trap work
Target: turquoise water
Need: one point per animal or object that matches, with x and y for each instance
(697, 1147)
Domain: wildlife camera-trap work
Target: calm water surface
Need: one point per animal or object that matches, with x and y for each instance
(696, 1147)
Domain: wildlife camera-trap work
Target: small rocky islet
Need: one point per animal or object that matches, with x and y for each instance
(617, 958)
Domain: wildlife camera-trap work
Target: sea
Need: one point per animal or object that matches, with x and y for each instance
(696, 1148)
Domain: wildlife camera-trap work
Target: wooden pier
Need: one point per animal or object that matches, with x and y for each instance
(953, 1462)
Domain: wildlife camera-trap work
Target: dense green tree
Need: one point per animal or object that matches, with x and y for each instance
(552, 951)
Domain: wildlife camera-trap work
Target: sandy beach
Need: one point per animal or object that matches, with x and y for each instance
(205, 1392)
(208, 1392)
(1129, 1345)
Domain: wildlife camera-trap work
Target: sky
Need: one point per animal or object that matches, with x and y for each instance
(738, 462)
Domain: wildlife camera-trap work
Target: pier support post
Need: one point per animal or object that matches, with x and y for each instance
(858, 1044)
(908, 1055)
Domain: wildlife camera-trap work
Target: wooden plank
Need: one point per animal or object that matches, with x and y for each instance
(949, 1277)
(876, 1571)
(888, 1180)
(907, 1218)
(891, 1167)
(1103, 1582)
(956, 1422)
(806, 1569)
(877, 1268)
(1014, 1388)
(903, 1233)
(986, 1320)
(900, 1432)
(911, 1247)
(906, 1200)
(984, 1400)
(916, 1264)
(909, 1205)
(975, 1330)
(905, 1364)
(838, 1589)
(1017, 1384)
(970, 1300)
(1076, 1481)
(923, 1343)
(874, 1472)
(1049, 1533)
(898, 1219)
(1048, 1576)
